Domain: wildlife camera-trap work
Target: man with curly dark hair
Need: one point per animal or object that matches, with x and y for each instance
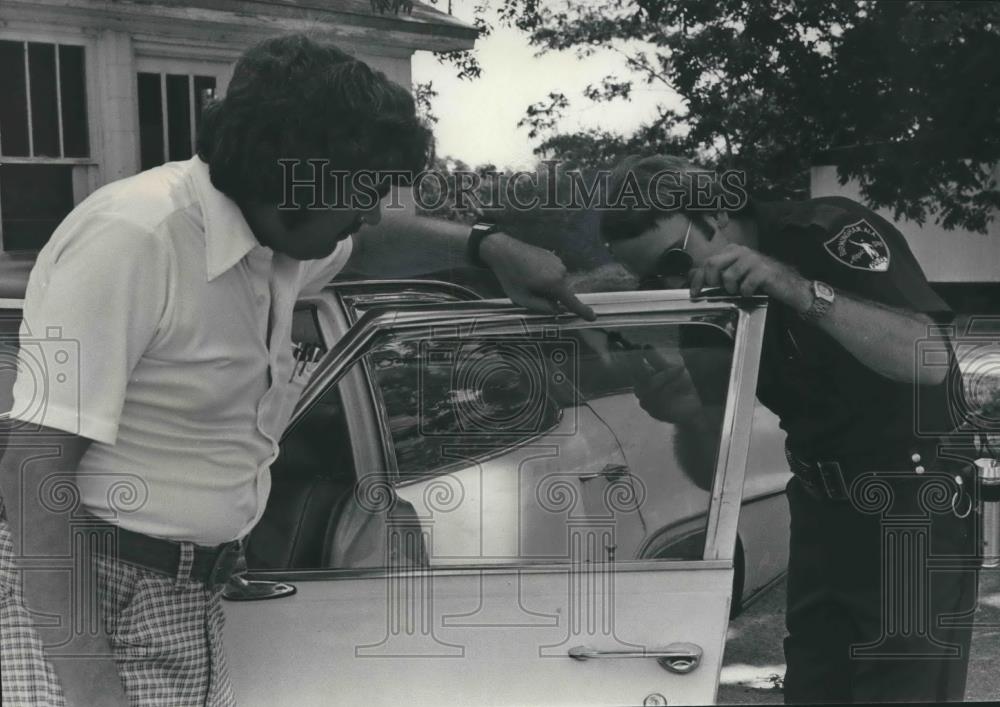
(179, 285)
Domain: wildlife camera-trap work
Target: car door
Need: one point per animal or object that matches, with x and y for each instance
(762, 535)
(495, 555)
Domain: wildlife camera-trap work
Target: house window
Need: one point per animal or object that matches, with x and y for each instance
(44, 138)
(170, 108)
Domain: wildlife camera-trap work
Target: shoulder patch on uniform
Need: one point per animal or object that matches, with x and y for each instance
(858, 245)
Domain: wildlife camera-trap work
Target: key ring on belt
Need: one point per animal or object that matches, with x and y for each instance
(954, 499)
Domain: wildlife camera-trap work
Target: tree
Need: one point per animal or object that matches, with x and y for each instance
(902, 96)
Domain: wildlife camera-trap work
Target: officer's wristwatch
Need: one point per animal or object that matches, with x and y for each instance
(823, 296)
(480, 230)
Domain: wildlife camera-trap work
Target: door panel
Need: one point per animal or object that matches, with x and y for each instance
(479, 638)
(489, 549)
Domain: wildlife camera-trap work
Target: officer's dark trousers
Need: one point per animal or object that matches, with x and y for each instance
(872, 614)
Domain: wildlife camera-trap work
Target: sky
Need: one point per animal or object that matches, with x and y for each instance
(477, 119)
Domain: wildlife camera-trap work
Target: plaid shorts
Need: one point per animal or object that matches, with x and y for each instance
(165, 633)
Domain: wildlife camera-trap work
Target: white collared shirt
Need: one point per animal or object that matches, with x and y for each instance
(149, 309)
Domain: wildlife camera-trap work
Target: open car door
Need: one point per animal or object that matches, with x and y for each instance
(511, 527)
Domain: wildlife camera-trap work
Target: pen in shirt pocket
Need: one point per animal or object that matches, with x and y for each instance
(304, 354)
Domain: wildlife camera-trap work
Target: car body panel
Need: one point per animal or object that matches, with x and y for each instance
(490, 638)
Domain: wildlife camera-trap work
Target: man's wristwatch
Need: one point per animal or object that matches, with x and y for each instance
(823, 297)
(480, 230)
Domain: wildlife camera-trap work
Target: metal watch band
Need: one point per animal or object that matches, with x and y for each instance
(823, 296)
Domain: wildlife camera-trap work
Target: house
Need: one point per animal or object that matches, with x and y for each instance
(96, 90)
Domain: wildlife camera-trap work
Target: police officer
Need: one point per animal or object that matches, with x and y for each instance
(881, 578)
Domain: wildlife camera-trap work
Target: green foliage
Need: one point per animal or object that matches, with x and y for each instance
(424, 95)
(902, 96)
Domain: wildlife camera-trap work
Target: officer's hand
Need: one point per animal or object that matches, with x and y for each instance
(742, 270)
(664, 387)
(531, 276)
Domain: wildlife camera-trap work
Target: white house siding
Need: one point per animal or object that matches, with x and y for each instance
(946, 256)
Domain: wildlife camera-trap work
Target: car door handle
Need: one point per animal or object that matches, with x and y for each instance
(679, 658)
(240, 589)
(611, 472)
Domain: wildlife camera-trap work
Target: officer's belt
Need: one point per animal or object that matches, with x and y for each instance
(825, 478)
(212, 566)
(831, 478)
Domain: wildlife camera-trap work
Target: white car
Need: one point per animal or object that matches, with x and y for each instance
(470, 506)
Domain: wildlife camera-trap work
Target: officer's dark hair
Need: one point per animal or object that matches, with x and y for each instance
(293, 98)
(660, 180)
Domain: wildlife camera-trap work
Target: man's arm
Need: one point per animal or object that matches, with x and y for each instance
(675, 399)
(26, 461)
(882, 338)
(404, 244)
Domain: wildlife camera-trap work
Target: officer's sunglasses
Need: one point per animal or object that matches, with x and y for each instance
(673, 262)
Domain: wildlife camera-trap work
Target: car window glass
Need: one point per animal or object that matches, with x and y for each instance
(542, 446)
(439, 392)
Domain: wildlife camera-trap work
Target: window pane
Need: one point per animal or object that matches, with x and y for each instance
(34, 199)
(150, 121)
(76, 139)
(178, 117)
(44, 107)
(14, 106)
(204, 92)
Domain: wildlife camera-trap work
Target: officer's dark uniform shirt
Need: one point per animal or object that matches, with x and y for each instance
(832, 406)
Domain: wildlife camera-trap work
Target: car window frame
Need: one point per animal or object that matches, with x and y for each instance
(362, 424)
(723, 514)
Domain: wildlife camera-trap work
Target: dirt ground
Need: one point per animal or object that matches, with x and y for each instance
(754, 665)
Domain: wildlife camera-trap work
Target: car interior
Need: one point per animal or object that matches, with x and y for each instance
(310, 481)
